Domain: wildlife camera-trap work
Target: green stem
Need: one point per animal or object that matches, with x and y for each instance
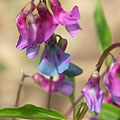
(69, 111)
(45, 2)
(49, 92)
(83, 112)
(104, 55)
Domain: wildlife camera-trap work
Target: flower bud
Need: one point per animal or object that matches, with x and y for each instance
(93, 94)
(62, 43)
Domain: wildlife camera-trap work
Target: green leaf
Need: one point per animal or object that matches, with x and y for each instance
(102, 29)
(2, 66)
(31, 112)
(109, 112)
(72, 97)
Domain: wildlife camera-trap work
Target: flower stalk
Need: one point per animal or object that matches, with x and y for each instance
(20, 88)
(49, 92)
(104, 55)
(73, 106)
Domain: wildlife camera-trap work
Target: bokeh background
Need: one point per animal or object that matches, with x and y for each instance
(83, 49)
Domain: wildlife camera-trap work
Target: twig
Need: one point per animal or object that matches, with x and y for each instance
(49, 92)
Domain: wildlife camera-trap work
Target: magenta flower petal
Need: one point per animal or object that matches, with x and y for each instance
(44, 82)
(68, 19)
(66, 88)
(93, 94)
(73, 29)
(22, 43)
(112, 80)
(32, 52)
(32, 30)
(22, 27)
(46, 24)
(63, 17)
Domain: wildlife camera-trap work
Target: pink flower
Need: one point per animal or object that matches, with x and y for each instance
(40, 28)
(68, 19)
(112, 80)
(25, 36)
(45, 23)
(65, 87)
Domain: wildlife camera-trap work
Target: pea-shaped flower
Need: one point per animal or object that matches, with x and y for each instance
(93, 94)
(112, 80)
(25, 36)
(60, 85)
(39, 29)
(68, 19)
(54, 60)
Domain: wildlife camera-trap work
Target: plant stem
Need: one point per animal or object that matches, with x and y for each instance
(72, 107)
(49, 92)
(104, 55)
(45, 2)
(31, 6)
(19, 90)
(83, 112)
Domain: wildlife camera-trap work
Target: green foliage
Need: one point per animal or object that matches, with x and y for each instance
(72, 97)
(2, 66)
(31, 112)
(102, 29)
(109, 112)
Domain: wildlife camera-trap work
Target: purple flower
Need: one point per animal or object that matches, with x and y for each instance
(68, 19)
(65, 87)
(25, 36)
(93, 118)
(46, 24)
(93, 94)
(112, 80)
(54, 60)
(40, 28)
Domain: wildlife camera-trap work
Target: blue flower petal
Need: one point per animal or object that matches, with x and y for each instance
(47, 67)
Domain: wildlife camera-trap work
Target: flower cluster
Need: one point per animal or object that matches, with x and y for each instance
(94, 95)
(38, 27)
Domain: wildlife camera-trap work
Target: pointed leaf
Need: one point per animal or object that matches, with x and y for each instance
(73, 70)
(109, 112)
(31, 112)
(102, 29)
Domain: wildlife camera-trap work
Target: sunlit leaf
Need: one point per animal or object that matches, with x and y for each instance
(109, 112)
(102, 29)
(31, 112)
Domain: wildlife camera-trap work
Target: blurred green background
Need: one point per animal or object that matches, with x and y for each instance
(83, 49)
